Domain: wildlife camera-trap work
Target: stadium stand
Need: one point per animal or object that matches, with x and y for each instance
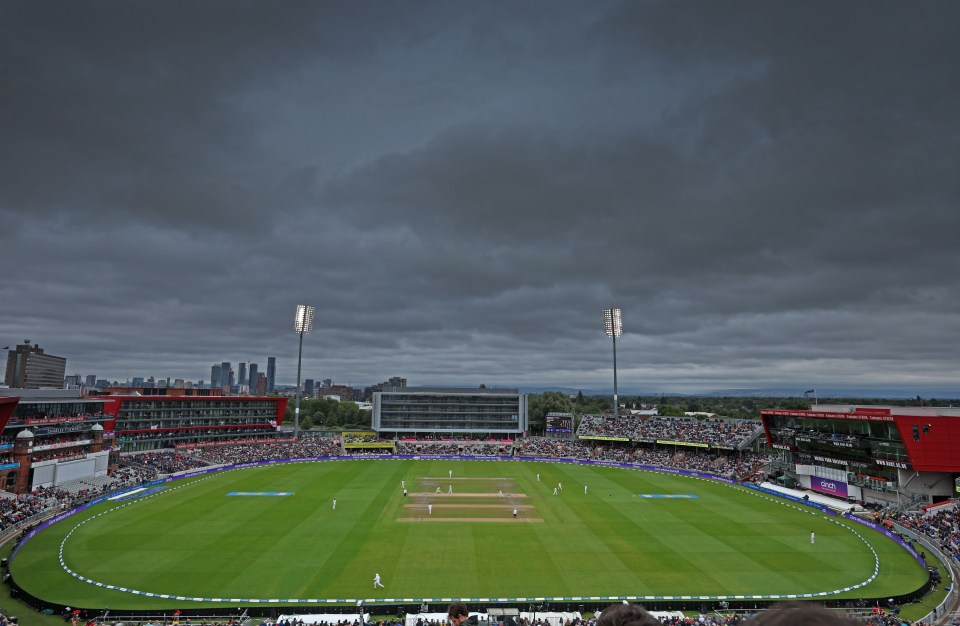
(942, 526)
(729, 433)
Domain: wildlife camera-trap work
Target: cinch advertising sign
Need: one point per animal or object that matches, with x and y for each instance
(828, 485)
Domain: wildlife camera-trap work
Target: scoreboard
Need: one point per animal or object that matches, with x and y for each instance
(559, 423)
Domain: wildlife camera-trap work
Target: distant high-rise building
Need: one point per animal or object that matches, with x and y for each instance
(395, 382)
(29, 368)
(309, 387)
(215, 372)
(137, 381)
(242, 374)
(225, 369)
(252, 377)
(72, 381)
(271, 373)
(91, 380)
(261, 385)
(344, 392)
(327, 383)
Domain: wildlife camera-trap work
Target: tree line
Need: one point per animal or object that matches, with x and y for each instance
(329, 414)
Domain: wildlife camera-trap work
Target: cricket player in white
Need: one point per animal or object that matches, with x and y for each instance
(376, 581)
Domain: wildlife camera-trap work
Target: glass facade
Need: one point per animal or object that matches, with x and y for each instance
(155, 423)
(868, 451)
(443, 410)
(30, 410)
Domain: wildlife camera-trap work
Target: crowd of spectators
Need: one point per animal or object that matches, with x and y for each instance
(369, 452)
(454, 447)
(15, 511)
(459, 438)
(554, 448)
(740, 465)
(303, 448)
(19, 510)
(130, 475)
(357, 438)
(716, 432)
(942, 526)
(300, 622)
(167, 461)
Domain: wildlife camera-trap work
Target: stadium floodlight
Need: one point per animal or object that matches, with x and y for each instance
(613, 327)
(302, 324)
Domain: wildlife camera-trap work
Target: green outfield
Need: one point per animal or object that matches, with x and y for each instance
(271, 534)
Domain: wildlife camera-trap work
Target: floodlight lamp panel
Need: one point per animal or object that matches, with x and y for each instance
(612, 322)
(303, 321)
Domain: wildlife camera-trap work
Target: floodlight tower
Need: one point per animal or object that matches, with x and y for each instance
(613, 327)
(302, 324)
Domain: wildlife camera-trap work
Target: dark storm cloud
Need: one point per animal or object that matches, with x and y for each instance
(769, 192)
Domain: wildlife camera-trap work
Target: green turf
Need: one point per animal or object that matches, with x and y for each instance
(192, 540)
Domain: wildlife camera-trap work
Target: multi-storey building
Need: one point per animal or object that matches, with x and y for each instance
(343, 393)
(154, 422)
(449, 410)
(51, 437)
(226, 376)
(271, 373)
(216, 372)
(395, 382)
(252, 379)
(28, 367)
(881, 454)
(242, 374)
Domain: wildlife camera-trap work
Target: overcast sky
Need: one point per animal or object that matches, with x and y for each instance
(768, 190)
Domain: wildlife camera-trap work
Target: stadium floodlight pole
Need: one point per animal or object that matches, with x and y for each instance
(613, 327)
(302, 324)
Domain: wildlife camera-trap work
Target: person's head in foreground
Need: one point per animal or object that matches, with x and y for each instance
(457, 613)
(626, 615)
(800, 614)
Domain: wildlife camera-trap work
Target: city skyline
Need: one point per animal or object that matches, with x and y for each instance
(767, 192)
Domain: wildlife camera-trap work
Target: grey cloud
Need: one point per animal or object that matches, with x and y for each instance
(768, 191)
